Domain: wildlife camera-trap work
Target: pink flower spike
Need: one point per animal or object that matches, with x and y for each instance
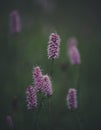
(31, 98)
(72, 99)
(14, 22)
(37, 77)
(47, 86)
(72, 41)
(53, 46)
(73, 52)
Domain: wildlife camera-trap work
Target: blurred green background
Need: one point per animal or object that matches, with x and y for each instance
(20, 52)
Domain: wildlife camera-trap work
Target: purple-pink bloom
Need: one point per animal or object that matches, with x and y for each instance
(9, 121)
(72, 99)
(37, 77)
(73, 52)
(53, 46)
(72, 41)
(31, 97)
(47, 86)
(14, 22)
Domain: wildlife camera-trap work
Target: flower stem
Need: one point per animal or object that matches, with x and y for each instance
(51, 70)
(77, 76)
(38, 113)
(81, 126)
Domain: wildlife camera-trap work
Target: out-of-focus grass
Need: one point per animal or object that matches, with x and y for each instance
(20, 52)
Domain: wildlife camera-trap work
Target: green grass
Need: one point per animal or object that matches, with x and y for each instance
(19, 53)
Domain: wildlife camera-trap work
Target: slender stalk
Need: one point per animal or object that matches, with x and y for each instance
(77, 83)
(51, 70)
(49, 104)
(81, 126)
(77, 76)
(51, 74)
(38, 113)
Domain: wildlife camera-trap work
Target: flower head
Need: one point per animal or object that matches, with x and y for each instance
(72, 99)
(53, 46)
(37, 77)
(47, 86)
(14, 22)
(72, 41)
(73, 52)
(31, 97)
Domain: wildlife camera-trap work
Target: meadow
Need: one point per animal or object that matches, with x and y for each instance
(20, 52)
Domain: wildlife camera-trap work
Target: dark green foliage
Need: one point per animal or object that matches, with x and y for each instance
(20, 52)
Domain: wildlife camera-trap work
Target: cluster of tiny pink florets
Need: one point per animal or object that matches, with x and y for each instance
(47, 86)
(73, 52)
(72, 99)
(31, 97)
(37, 77)
(53, 46)
(42, 83)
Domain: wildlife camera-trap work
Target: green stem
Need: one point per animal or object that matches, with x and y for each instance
(49, 104)
(77, 76)
(38, 113)
(81, 126)
(51, 71)
(77, 81)
(51, 74)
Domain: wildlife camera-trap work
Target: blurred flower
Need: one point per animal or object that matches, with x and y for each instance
(72, 99)
(73, 52)
(14, 22)
(47, 86)
(37, 77)
(31, 97)
(53, 46)
(9, 121)
(72, 41)
(46, 5)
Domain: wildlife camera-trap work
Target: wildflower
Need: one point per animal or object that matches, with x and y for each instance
(53, 46)
(73, 52)
(46, 5)
(47, 86)
(72, 41)
(31, 97)
(14, 22)
(9, 121)
(37, 77)
(72, 99)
